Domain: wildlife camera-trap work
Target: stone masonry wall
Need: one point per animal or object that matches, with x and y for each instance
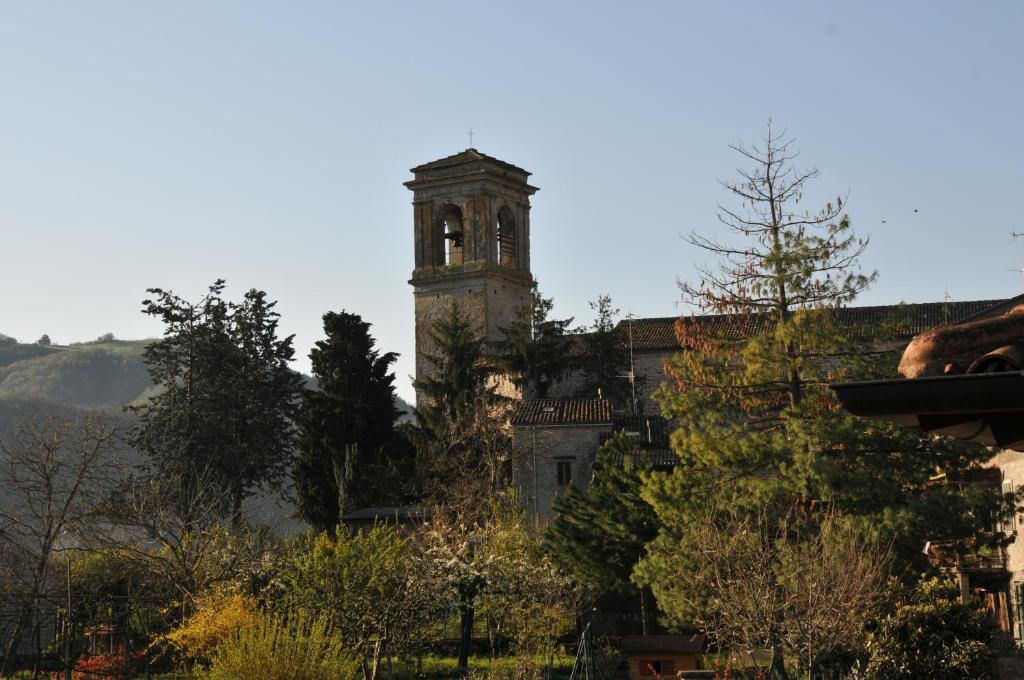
(649, 368)
(488, 299)
(1011, 463)
(539, 449)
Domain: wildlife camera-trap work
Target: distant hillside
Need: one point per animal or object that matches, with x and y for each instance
(60, 380)
(63, 378)
(80, 376)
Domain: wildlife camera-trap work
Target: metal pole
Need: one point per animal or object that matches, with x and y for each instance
(536, 502)
(632, 370)
(67, 628)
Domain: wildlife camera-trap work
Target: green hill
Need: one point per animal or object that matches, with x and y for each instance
(79, 376)
(51, 378)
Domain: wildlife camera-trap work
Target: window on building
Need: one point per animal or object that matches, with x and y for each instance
(1018, 596)
(563, 472)
(1010, 524)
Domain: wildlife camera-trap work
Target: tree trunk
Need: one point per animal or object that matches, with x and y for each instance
(375, 665)
(37, 641)
(237, 497)
(777, 669)
(12, 644)
(643, 612)
(465, 635)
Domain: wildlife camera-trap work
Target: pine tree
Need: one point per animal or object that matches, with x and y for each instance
(605, 363)
(536, 347)
(599, 534)
(462, 444)
(349, 453)
(758, 428)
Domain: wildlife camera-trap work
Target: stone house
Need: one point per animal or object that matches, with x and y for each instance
(555, 441)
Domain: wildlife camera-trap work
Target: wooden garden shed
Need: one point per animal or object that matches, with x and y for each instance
(654, 656)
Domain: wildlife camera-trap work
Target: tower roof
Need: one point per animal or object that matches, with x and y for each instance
(468, 156)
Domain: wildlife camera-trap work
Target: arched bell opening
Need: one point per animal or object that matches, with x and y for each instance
(508, 250)
(450, 236)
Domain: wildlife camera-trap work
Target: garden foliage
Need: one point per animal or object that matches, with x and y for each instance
(217, 617)
(297, 647)
(931, 634)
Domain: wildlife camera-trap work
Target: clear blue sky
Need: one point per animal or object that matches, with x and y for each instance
(169, 144)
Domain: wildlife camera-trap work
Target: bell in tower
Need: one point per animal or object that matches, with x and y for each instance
(471, 228)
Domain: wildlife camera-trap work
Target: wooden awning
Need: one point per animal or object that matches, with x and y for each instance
(983, 407)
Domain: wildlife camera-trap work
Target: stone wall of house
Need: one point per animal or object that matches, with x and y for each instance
(1011, 463)
(539, 451)
(649, 368)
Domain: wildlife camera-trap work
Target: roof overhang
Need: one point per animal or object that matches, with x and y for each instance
(983, 407)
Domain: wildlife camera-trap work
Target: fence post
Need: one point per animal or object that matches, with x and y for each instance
(68, 627)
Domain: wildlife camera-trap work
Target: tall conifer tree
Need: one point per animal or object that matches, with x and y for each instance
(461, 437)
(605, 363)
(349, 452)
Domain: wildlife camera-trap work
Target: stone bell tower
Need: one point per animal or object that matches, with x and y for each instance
(471, 225)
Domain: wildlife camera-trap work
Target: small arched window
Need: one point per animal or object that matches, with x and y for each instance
(508, 252)
(451, 235)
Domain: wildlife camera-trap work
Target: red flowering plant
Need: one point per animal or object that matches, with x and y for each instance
(111, 666)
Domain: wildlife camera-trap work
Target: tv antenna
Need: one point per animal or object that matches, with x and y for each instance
(631, 375)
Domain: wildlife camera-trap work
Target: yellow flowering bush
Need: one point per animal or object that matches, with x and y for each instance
(217, 617)
(301, 647)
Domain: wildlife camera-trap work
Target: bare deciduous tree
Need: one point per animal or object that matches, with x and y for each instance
(177, 531)
(54, 473)
(803, 585)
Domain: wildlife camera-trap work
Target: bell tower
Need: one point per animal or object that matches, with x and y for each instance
(471, 228)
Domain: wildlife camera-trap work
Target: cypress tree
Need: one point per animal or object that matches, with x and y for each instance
(350, 455)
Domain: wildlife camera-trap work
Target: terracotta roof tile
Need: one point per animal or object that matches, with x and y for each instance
(562, 412)
(662, 644)
(651, 429)
(463, 157)
(659, 333)
(645, 454)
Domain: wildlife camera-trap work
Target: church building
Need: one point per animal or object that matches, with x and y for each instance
(471, 236)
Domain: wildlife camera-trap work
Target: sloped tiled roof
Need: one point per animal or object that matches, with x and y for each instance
(662, 644)
(644, 454)
(390, 512)
(562, 412)
(659, 333)
(652, 429)
(467, 156)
